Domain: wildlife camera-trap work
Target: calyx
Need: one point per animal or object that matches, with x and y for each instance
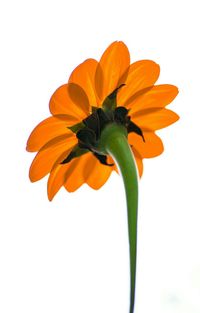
(88, 132)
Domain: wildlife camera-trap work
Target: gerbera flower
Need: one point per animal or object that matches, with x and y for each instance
(97, 94)
(108, 108)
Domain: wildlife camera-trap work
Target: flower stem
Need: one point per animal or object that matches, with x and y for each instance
(114, 141)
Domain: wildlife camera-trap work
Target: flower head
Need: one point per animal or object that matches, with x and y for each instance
(97, 94)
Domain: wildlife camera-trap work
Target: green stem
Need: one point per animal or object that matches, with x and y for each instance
(115, 143)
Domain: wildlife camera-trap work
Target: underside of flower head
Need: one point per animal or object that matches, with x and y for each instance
(88, 132)
(97, 94)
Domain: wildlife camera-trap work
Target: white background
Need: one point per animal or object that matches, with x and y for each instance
(71, 255)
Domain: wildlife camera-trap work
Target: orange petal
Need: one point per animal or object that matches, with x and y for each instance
(152, 146)
(139, 162)
(142, 74)
(84, 76)
(57, 179)
(70, 99)
(157, 97)
(112, 69)
(153, 119)
(74, 177)
(96, 174)
(49, 155)
(48, 129)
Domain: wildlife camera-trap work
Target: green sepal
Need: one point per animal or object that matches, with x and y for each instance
(132, 127)
(94, 109)
(86, 137)
(110, 103)
(102, 158)
(75, 128)
(76, 152)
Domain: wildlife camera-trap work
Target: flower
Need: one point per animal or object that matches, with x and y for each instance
(98, 93)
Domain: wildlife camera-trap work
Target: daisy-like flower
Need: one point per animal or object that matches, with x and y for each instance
(107, 113)
(97, 94)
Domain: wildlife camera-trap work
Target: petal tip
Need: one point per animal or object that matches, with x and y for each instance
(27, 148)
(174, 89)
(32, 178)
(177, 117)
(177, 90)
(50, 196)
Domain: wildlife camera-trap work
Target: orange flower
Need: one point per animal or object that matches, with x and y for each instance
(97, 93)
